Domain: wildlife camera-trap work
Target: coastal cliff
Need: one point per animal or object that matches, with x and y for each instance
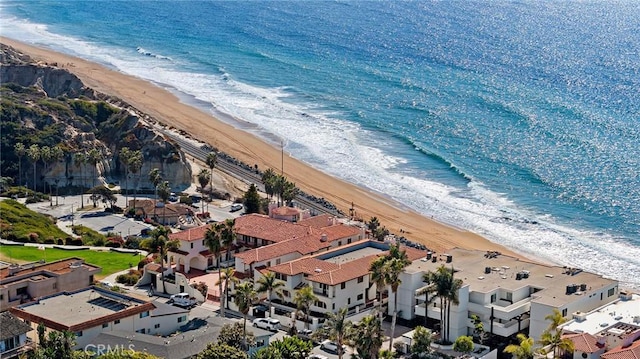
(43, 104)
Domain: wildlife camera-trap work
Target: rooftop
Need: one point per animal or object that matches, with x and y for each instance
(273, 230)
(12, 326)
(190, 235)
(33, 270)
(551, 281)
(81, 309)
(608, 316)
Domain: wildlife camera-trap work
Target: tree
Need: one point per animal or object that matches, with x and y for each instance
(479, 334)
(33, 154)
(94, 157)
(213, 241)
(79, 160)
(338, 328)
(552, 336)
(378, 277)
(394, 266)
(20, 151)
(159, 243)
(135, 165)
(246, 296)
(287, 348)
(463, 344)
(56, 345)
(444, 286)
(221, 351)
(523, 350)
(251, 200)
(56, 155)
(226, 277)
(233, 335)
(289, 192)
(421, 342)
(103, 194)
(204, 176)
(125, 157)
(367, 336)
(268, 180)
(270, 285)
(155, 178)
(303, 299)
(45, 157)
(211, 160)
(452, 297)
(164, 192)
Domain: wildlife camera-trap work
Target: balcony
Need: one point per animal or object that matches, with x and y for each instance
(433, 312)
(502, 309)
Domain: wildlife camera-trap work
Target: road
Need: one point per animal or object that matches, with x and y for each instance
(247, 174)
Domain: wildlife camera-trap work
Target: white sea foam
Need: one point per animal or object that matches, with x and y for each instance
(346, 150)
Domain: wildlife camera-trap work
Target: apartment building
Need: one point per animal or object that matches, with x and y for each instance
(23, 283)
(509, 295)
(90, 311)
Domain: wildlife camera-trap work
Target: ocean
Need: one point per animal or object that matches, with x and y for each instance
(517, 120)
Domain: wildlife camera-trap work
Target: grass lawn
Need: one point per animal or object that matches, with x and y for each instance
(110, 262)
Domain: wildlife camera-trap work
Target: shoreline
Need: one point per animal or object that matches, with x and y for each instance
(168, 108)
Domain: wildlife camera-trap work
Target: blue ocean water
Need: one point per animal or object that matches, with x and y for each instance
(516, 120)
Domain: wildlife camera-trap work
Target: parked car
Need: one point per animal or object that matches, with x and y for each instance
(267, 323)
(236, 207)
(330, 346)
(306, 334)
(317, 356)
(182, 300)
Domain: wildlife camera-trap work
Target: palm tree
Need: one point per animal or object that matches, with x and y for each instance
(213, 241)
(45, 157)
(378, 278)
(268, 179)
(394, 269)
(94, 157)
(303, 299)
(552, 336)
(452, 298)
(338, 328)
(135, 165)
(164, 192)
(440, 285)
(159, 243)
(367, 337)
(227, 276)
(155, 178)
(245, 297)
(211, 163)
(79, 160)
(270, 285)
(125, 156)
(228, 235)
(20, 151)
(204, 176)
(33, 154)
(56, 155)
(524, 350)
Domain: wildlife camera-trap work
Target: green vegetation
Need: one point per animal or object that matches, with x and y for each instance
(110, 262)
(89, 236)
(18, 223)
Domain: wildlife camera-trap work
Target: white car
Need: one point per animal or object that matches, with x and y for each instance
(317, 356)
(236, 207)
(328, 345)
(267, 323)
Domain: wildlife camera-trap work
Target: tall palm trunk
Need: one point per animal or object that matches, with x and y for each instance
(442, 321)
(220, 287)
(244, 336)
(393, 319)
(448, 318)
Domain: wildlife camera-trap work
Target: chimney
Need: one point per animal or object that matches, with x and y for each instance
(323, 237)
(13, 269)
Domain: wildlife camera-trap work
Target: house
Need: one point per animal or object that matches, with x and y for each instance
(191, 339)
(339, 277)
(23, 283)
(160, 212)
(13, 336)
(610, 331)
(508, 294)
(90, 311)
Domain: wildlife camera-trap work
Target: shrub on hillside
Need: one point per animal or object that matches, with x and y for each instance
(144, 262)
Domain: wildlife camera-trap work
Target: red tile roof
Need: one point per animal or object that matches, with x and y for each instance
(630, 352)
(307, 266)
(190, 235)
(346, 271)
(319, 221)
(273, 230)
(286, 211)
(303, 246)
(584, 342)
(58, 267)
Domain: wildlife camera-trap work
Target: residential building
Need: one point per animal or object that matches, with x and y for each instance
(90, 311)
(160, 212)
(13, 336)
(508, 294)
(611, 331)
(191, 339)
(23, 283)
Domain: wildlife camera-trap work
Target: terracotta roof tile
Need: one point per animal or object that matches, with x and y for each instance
(57, 267)
(286, 211)
(584, 342)
(319, 221)
(190, 235)
(306, 245)
(305, 265)
(346, 271)
(630, 352)
(272, 230)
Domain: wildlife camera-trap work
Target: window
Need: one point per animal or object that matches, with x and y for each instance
(140, 331)
(360, 296)
(55, 285)
(1, 296)
(493, 298)
(348, 240)
(343, 285)
(21, 291)
(277, 261)
(611, 292)
(191, 245)
(348, 300)
(144, 314)
(203, 243)
(182, 319)
(360, 279)
(79, 334)
(509, 297)
(105, 325)
(334, 306)
(157, 326)
(564, 312)
(284, 277)
(339, 243)
(285, 293)
(117, 321)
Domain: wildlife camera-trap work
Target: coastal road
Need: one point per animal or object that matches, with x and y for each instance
(247, 174)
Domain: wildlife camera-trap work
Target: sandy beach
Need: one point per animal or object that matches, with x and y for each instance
(167, 108)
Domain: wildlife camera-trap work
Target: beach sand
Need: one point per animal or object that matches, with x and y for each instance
(167, 108)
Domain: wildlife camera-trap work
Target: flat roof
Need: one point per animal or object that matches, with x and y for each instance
(82, 309)
(605, 317)
(356, 254)
(552, 281)
(59, 267)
